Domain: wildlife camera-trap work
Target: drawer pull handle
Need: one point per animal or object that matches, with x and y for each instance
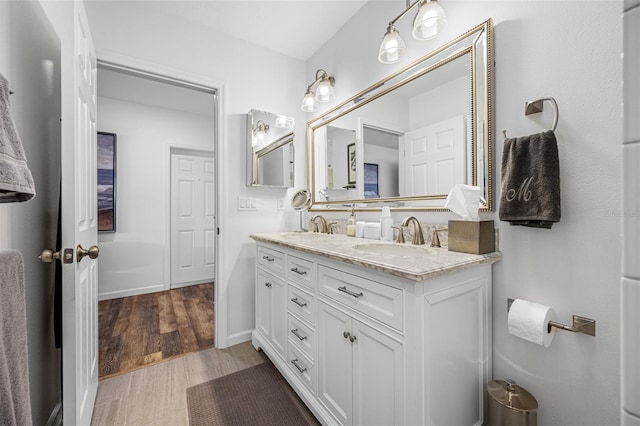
(299, 272)
(297, 334)
(268, 259)
(349, 292)
(267, 284)
(299, 303)
(295, 363)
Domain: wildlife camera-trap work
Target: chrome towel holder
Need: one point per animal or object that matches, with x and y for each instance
(537, 106)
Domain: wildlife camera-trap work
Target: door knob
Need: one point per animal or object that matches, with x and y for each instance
(93, 252)
(64, 255)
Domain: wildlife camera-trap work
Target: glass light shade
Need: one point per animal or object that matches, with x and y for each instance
(392, 46)
(309, 103)
(282, 122)
(429, 21)
(324, 91)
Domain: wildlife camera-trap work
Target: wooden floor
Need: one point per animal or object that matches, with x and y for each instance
(157, 395)
(138, 331)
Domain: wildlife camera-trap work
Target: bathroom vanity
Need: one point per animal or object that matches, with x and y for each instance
(371, 332)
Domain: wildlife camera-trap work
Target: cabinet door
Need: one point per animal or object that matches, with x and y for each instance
(264, 283)
(271, 310)
(335, 362)
(378, 377)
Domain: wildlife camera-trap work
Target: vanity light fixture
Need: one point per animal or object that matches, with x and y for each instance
(429, 21)
(323, 84)
(283, 122)
(260, 131)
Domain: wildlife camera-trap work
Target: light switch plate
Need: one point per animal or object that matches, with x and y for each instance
(247, 204)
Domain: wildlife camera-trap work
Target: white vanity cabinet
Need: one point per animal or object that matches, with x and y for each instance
(365, 347)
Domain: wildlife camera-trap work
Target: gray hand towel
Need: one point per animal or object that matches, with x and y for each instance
(15, 406)
(16, 182)
(530, 193)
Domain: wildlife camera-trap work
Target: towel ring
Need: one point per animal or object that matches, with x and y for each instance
(534, 107)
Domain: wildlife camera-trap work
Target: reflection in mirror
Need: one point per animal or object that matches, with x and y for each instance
(413, 135)
(270, 151)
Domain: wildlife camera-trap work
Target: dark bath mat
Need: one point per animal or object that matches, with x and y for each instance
(255, 396)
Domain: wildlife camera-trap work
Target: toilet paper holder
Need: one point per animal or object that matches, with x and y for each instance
(580, 324)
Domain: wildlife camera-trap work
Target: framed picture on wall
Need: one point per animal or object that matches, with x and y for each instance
(371, 181)
(106, 182)
(351, 163)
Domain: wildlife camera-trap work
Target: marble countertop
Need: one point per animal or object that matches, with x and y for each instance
(416, 263)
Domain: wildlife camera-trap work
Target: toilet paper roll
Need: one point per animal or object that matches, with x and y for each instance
(529, 321)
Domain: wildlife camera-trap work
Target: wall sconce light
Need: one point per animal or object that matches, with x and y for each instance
(429, 21)
(324, 84)
(260, 131)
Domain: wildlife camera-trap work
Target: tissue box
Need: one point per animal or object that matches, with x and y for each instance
(476, 237)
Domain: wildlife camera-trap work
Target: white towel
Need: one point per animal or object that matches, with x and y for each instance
(15, 406)
(16, 182)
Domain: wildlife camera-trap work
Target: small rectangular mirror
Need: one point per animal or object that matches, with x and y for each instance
(270, 151)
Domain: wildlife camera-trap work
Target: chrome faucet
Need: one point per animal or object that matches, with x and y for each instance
(319, 224)
(418, 238)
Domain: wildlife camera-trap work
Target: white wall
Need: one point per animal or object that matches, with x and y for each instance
(253, 78)
(30, 61)
(133, 259)
(571, 51)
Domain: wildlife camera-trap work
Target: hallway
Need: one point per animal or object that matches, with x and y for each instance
(138, 331)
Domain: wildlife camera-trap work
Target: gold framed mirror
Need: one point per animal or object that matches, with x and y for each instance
(406, 140)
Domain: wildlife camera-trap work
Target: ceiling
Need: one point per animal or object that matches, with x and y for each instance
(296, 28)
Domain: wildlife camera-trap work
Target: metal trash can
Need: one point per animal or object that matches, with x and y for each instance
(510, 405)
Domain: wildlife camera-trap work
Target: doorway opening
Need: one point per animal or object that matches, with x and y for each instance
(158, 268)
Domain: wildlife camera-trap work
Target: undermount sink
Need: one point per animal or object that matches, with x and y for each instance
(395, 249)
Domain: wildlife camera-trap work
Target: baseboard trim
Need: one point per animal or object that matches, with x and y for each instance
(130, 292)
(190, 283)
(237, 338)
(55, 418)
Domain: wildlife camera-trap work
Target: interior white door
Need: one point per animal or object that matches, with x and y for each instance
(193, 230)
(79, 218)
(435, 158)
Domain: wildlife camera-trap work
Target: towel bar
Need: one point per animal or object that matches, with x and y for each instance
(534, 107)
(537, 106)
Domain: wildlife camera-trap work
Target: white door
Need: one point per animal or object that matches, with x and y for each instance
(434, 158)
(193, 230)
(79, 218)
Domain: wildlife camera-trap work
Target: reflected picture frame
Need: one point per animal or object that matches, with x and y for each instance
(106, 197)
(351, 163)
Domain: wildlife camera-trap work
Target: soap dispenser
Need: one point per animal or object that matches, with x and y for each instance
(386, 223)
(351, 224)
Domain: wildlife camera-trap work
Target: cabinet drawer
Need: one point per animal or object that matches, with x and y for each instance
(300, 271)
(301, 304)
(379, 301)
(303, 368)
(272, 260)
(302, 337)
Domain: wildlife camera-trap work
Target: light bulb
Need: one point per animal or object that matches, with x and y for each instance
(324, 91)
(392, 46)
(429, 21)
(309, 102)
